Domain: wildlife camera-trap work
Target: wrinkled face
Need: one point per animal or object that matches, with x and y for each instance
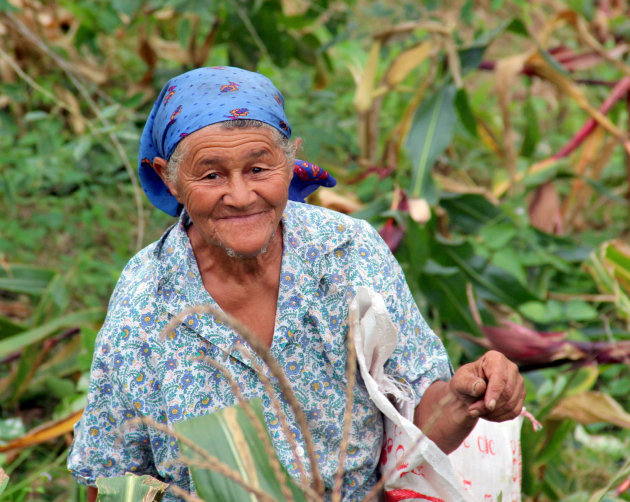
(234, 184)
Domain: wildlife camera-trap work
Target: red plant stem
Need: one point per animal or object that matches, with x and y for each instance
(619, 91)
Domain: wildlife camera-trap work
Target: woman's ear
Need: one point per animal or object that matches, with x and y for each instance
(160, 166)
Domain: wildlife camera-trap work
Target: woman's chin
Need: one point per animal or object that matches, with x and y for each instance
(247, 250)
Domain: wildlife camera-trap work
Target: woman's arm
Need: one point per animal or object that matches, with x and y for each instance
(490, 387)
(92, 493)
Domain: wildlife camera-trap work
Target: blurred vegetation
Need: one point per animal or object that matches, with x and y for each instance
(487, 141)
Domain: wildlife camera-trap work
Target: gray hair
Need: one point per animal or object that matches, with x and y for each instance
(285, 144)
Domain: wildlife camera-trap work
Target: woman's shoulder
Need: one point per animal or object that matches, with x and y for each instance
(324, 227)
(142, 273)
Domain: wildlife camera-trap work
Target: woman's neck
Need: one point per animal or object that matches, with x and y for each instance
(219, 262)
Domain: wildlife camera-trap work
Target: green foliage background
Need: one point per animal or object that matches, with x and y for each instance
(475, 128)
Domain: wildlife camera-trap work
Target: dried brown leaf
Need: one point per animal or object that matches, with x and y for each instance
(169, 50)
(294, 7)
(72, 105)
(343, 203)
(146, 52)
(506, 73)
(590, 153)
(44, 432)
(544, 209)
(570, 89)
(365, 88)
(591, 407)
(406, 62)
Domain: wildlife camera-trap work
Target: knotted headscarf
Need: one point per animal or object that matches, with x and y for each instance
(206, 96)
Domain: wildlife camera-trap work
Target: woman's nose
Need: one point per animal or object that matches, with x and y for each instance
(239, 192)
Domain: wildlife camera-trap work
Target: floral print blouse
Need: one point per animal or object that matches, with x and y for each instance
(136, 372)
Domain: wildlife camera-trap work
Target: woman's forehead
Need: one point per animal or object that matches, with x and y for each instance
(218, 136)
(217, 145)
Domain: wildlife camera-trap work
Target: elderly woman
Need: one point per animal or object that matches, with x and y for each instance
(216, 152)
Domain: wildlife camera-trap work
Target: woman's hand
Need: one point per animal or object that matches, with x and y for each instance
(491, 388)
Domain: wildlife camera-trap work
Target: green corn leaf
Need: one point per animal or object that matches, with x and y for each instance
(619, 260)
(532, 130)
(24, 339)
(465, 113)
(9, 327)
(231, 437)
(430, 134)
(26, 279)
(606, 281)
(130, 488)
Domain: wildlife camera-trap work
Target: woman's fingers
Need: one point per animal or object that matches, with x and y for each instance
(492, 386)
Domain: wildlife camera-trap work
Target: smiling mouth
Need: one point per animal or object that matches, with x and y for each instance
(242, 216)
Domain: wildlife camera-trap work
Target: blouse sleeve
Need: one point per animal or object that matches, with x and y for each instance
(107, 440)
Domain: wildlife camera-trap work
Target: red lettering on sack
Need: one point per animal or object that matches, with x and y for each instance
(467, 483)
(488, 497)
(400, 453)
(485, 445)
(417, 471)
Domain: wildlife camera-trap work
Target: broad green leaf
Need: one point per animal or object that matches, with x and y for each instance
(471, 57)
(542, 312)
(508, 260)
(35, 115)
(607, 283)
(415, 245)
(468, 212)
(447, 294)
(130, 488)
(518, 27)
(26, 279)
(19, 341)
(492, 283)
(11, 428)
(465, 113)
(5, 6)
(9, 327)
(532, 130)
(582, 380)
(430, 134)
(556, 311)
(619, 259)
(497, 235)
(231, 437)
(24, 373)
(579, 310)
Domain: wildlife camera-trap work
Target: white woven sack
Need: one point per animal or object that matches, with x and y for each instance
(487, 465)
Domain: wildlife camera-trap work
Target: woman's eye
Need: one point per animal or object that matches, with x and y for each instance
(257, 170)
(212, 176)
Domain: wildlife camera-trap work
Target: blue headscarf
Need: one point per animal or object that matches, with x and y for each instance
(206, 96)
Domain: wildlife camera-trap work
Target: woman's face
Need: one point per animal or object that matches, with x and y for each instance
(234, 184)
